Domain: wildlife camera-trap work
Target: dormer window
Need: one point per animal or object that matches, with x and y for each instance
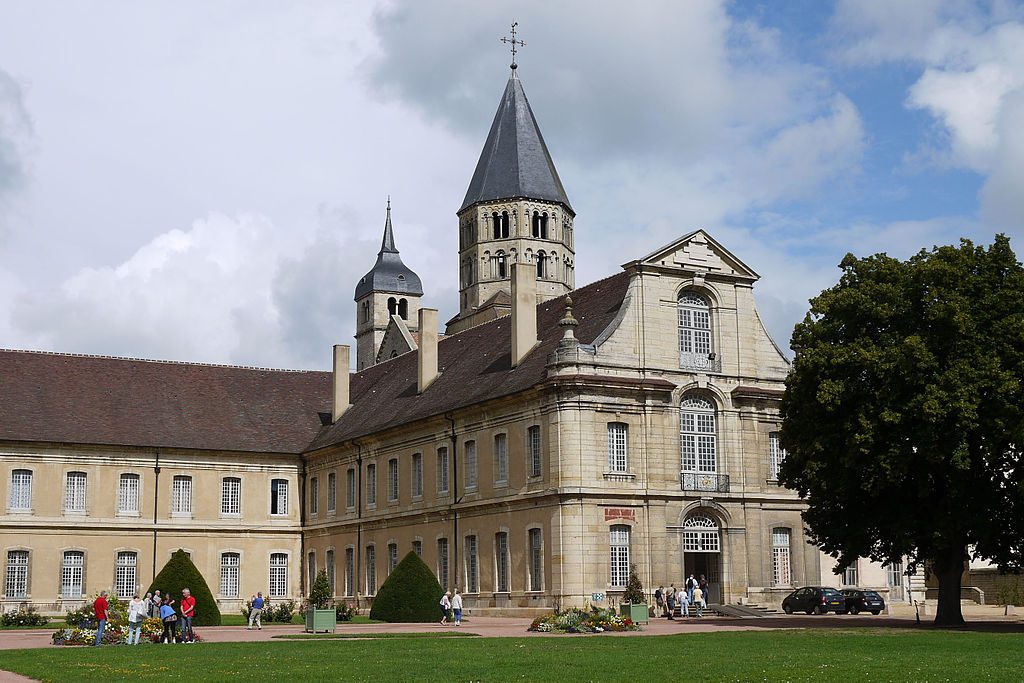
(695, 349)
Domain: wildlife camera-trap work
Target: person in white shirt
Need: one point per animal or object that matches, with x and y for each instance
(446, 605)
(457, 607)
(138, 610)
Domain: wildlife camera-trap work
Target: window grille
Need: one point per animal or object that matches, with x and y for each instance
(332, 492)
(124, 576)
(350, 571)
(310, 569)
(501, 458)
(393, 479)
(371, 484)
(536, 560)
(698, 435)
(501, 562)
(470, 451)
(392, 557)
(442, 561)
(472, 566)
(850, 575)
(619, 560)
(314, 495)
(617, 440)
(229, 575)
(181, 495)
(20, 497)
(278, 575)
(231, 496)
(442, 469)
(417, 474)
(279, 497)
(16, 581)
(329, 566)
(350, 488)
(74, 492)
(128, 494)
(700, 535)
(775, 456)
(417, 547)
(781, 575)
(371, 570)
(71, 574)
(533, 438)
(695, 332)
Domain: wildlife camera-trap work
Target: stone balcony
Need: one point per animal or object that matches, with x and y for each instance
(704, 481)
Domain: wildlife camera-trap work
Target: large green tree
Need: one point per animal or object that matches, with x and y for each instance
(904, 412)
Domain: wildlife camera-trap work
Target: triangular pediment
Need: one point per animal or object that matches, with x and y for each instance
(699, 251)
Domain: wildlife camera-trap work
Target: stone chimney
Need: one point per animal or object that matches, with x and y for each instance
(427, 352)
(524, 311)
(341, 379)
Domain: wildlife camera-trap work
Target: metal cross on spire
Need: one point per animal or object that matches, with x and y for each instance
(514, 43)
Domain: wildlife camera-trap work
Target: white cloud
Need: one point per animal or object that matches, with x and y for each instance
(15, 138)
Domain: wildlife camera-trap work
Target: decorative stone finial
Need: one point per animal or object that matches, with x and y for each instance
(568, 324)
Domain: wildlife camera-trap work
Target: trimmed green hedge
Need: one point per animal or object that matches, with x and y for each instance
(179, 573)
(410, 594)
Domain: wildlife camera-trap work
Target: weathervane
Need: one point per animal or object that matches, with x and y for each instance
(514, 43)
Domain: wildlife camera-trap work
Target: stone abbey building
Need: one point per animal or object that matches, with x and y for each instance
(549, 439)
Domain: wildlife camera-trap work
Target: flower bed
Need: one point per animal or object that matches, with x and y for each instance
(114, 634)
(575, 620)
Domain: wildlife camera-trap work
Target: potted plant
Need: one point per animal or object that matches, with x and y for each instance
(633, 604)
(320, 616)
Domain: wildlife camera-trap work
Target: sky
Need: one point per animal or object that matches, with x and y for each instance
(206, 181)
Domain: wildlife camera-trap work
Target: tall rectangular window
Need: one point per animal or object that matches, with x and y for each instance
(229, 575)
(314, 496)
(279, 496)
(350, 571)
(619, 559)
(278, 575)
(124, 574)
(536, 560)
(417, 547)
(442, 562)
(442, 469)
(472, 565)
(470, 454)
(417, 475)
(850, 575)
(128, 494)
(230, 496)
(775, 456)
(392, 557)
(74, 492)
(780, 557)
(533, 444)
(16, 580)
(393, 479)
(618, 437)
(501, 458)
(332, 492)
(501, 562)
(310, 570)
(329, 566)
(371, 484)
(350, 488)
(20, 497)
(371, 570)
(181, 495)
(71, 573)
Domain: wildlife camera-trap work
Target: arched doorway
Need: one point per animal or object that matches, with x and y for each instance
(702, 553)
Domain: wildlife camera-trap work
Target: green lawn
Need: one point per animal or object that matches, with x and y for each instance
(239, 620)
(798, 655)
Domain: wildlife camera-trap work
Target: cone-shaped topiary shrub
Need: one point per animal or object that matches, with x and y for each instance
(411, 593)
(179, 573)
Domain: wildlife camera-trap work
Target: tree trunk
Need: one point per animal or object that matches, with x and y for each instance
(949, 568)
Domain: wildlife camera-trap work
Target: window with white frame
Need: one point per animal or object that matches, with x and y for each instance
(230, 496)
(393, 479)
(501, 458)
(350, 571)
(533, 444)
(775, 456)
(850, 574)
(536, 542)
(16, 580)
(501, 562)
(279, 496)
(350, 488)
(310, 569)
(442, 562)
(74, 492)
(314, 496)
(698, 435)
(472, 565)
(124, 574)
(20, 497)
(229, 586)
(619, 556)
(332, 492)
(329, 567)
(618, 437)
(700, 535)
(371, 570)
(781, 575)
(442, 469)
(371, 484)
(71, 574)
(181, 495)
(417, 475)
(694, 330)
(470, 455)
(278, 575)
(417, 547)
(128, 494)
(392, 557)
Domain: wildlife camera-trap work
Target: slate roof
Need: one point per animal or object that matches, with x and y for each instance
(475, 366)
(49, 397)
(515, 162)
(389, 274)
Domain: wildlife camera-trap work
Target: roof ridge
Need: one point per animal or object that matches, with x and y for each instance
(157, 360)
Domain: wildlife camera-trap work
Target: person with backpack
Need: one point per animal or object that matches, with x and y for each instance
(691, 583)
(670, 601)
(659, 600)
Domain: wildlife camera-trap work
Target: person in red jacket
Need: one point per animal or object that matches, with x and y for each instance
(100, 607)
(188, 610)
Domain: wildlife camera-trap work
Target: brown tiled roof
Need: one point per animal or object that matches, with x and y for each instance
(47, 397)
(475, 366)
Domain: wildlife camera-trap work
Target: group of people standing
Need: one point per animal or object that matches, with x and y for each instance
(177, 620)
(451, 606)
(694, 593)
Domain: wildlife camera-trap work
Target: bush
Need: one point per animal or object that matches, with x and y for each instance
(283, 613)
(26, 616)
(320, 591)
(85, 616)
(179, 573)
(634, 594)
(343, 612)
(410, 594)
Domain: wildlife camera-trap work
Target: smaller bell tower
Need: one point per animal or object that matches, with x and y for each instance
(390, 289)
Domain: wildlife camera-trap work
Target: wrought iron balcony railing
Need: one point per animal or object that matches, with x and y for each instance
(700, 361)
(704, 481)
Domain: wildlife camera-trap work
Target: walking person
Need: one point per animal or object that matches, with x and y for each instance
(684, 605)
(155, 603)
(698, 601)
(703, 584)
(100, 607)
(670, 602)
(256, 611)
(188, 612)
(168, 616)
(137, 611)
(457, 607)
(691, 583)
(446, 604)
(659, 600)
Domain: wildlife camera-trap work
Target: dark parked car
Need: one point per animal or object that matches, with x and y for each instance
(814, 600)
(863, 601)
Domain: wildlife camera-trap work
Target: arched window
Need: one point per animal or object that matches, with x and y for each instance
(392, 305)
(496, 225)
(500, 265)
(366, 311)
(700, 535)
(500, 223)
(542, 265)
(403, 309)
(695, 350)
(698, 435)
(540, 225)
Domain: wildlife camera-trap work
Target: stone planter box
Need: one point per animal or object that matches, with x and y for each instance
(638, 613)
(320, 620)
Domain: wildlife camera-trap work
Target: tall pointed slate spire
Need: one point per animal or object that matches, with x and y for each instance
(515, 162)
(389, 274)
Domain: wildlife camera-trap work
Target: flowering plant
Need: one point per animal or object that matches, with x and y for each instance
(576, 620)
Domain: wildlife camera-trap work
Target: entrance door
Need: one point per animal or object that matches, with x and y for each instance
(702, 553)
(708, 564)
